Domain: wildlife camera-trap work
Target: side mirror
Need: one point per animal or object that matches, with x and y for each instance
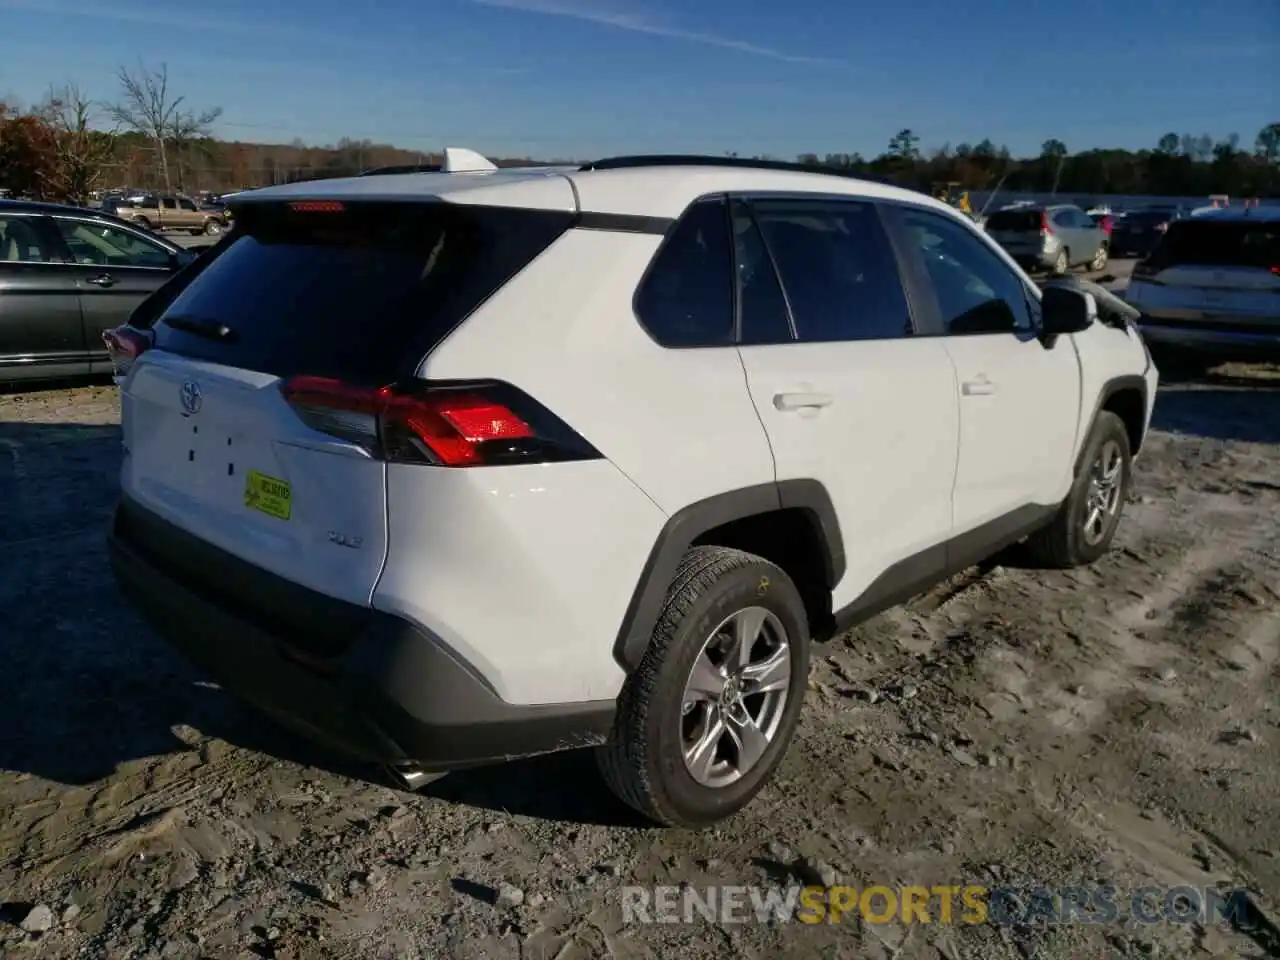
(1065, 311)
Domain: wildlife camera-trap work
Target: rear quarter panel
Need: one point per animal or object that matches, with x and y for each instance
(565, 545)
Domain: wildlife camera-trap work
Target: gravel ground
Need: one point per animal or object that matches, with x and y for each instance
(1119, 724)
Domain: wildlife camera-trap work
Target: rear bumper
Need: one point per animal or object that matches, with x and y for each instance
(1238, 340)
(369, 685)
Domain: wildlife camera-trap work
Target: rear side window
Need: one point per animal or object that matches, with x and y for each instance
(1013, 220)
(686, 298)
(1219, 243)
(359, 294)
(837, 268)
(763, 309)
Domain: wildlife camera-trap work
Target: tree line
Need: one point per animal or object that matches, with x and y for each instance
(68, 146)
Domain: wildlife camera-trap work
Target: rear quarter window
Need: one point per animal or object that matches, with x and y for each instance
(359, 295)
(686, 297)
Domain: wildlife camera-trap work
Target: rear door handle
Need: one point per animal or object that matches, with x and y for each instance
(102, 280)
(801, 401)
(980, 387)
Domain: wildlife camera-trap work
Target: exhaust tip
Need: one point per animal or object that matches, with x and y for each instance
(409, 776)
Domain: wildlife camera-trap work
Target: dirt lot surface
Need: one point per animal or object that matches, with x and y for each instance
(1115, 725)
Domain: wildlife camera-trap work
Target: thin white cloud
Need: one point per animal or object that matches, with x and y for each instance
(640, 23)
(156, 16)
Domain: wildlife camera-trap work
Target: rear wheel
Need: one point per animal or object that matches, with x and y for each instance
(706, 718)
(1099, 259)
(1061, 263)
(1085, 524)
(213, 227)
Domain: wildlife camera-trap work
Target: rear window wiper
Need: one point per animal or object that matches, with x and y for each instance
(210, 329)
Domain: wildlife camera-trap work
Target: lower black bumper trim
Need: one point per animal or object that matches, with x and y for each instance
(395, 694)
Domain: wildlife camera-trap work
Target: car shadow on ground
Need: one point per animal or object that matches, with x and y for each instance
(1221, 408)
(88, 686)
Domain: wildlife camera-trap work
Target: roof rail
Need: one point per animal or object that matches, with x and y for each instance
(402, 168)
(746, 163)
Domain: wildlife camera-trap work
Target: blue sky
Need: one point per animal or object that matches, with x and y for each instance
(582, 78)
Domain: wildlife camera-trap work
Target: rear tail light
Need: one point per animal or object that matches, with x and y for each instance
(124, 345)
(1045, 227)
(449, 425)
(1276, 270)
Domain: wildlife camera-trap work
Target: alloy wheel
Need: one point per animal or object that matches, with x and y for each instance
(1102, 499)
(735, 697)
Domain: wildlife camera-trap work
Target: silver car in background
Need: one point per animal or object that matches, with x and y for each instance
(1054, 238)
(1211, 286)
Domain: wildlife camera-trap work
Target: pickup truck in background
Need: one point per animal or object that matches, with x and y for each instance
(173, 213)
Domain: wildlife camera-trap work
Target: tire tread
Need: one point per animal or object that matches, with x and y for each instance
(623, 767)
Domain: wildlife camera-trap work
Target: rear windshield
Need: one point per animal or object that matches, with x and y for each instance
(359, 294)
(1014, 220)
(1220, 243)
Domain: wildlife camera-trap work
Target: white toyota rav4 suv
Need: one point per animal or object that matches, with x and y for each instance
(443, 469)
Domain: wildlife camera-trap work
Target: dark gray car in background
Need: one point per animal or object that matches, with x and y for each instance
(1138, 231)
(1054, 238)
(66, 275)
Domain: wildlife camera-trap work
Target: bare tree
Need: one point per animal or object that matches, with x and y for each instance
(81, 154)
(148, 108)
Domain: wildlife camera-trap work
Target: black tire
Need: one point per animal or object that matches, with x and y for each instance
(214, 228)
(643, 762)
(1099, 261)
(1064, 543)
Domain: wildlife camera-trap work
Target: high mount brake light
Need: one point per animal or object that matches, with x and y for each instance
(317, 206)
(449, 425)
(124, 345)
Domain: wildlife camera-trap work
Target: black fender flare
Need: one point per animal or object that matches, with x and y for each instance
(1128, 381)
(685, 526)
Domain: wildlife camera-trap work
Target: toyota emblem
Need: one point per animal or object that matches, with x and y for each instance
(191, 399)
